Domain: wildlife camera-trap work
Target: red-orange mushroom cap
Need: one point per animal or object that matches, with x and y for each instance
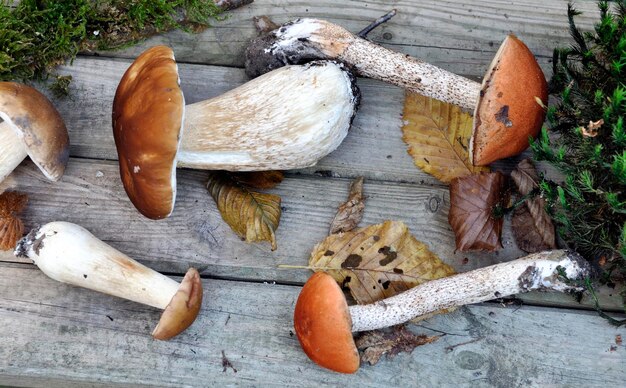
(148, 112)
(323, 325)
(508, 111)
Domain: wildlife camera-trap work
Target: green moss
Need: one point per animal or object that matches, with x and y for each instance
(589, 83)
(36, 36)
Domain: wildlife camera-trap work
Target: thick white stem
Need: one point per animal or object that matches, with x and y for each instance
(537, 271)
(70, 254)
(374, 61)
(12, 151)
(289, 118)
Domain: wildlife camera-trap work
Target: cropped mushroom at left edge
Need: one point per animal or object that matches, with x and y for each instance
(32, 127)
(286, 119)
(70, 254)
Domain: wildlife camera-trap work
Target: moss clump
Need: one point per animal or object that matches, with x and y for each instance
(588, 141)
(36, 36)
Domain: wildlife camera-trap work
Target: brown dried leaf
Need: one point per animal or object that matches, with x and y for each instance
(12, 203)
(11, 230)
(350, 212)
(259, 179)
(532, 226)
(375, 344)
(438, 136)
(253, 216)
(377, 261)
(472, 202)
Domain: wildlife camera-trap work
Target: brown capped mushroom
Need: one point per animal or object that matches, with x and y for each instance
(70, 254)
(506, 111)
(287, 119)
(31, 127)
(324, 322)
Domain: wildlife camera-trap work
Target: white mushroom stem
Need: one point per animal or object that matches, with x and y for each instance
(70, 254)
(374, 61)
(304, 39)
(536, 271)
(289, 118)
(12, 151)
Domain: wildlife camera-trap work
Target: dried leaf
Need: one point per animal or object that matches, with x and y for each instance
(375, 344)
(438, 136)
(532, 226)
(377, 261)
(592, 129)
(11, 230)
(259, 179)
(12, 203)
(253, 216)
(350, 212)
(472, 202)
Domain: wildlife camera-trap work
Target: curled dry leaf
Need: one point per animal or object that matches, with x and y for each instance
(350, 212)
(438, 137)
(253, 216)
(259, 179)
(532, 226)
(11, 226)
(375, 344)
(377, 261)
(472, 202)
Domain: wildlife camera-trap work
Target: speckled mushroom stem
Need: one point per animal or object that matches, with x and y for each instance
(12, 151)
(374, 61)
(70, 254)
(536, 271)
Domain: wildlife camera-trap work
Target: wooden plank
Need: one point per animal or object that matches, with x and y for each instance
(459, 36)
(91, 195)
(52, 334)
(373, 148)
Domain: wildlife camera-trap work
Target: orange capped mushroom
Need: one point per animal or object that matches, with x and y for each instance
(324, 322)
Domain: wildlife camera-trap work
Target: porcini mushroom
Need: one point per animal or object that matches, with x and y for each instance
(505, 105)
(70, 254)
(324, 322)
(31, 127)
(287, 119)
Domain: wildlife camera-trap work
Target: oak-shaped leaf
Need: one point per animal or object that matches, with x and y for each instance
(350, 212)
(377, 261)
(473, 201)
(374, 344)
(438, 135)
(253, 216)
(11, 226)
(533, 229)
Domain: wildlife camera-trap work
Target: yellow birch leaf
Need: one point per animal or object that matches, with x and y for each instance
(253, 216)
(377, 261)
(438, 134)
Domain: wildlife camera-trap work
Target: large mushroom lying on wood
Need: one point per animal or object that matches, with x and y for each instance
(289, 118)
(70, 254)
(508, 105)
(31, 127)
(324, 322)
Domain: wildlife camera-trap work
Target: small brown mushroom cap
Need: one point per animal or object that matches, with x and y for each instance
(148, 113)
(183, 308)
(323, 325)
(508, 113)
(40, 126)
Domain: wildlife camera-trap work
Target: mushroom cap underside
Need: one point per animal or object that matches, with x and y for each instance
(323, 325)
(508, 111)
(40, 126)
(183, 309)
(147, 118)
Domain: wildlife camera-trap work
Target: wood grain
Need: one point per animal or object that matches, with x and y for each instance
(52, 334)
(461, 37)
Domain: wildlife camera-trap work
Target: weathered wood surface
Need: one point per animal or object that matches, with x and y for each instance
(460, 36)
(68, 335)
